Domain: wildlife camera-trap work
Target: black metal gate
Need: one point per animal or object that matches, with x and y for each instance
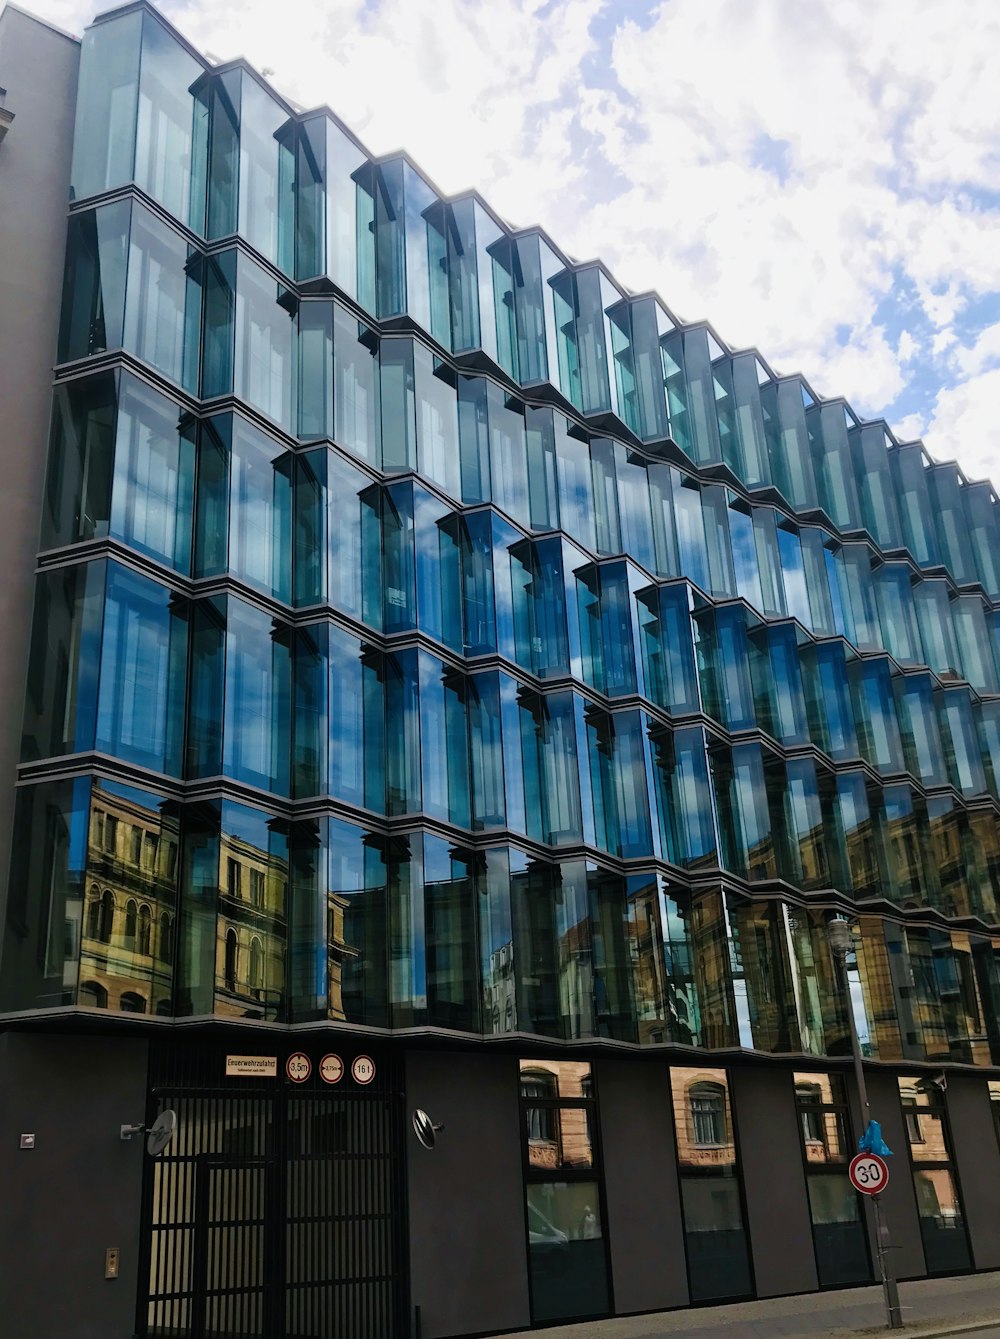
(277, 1211)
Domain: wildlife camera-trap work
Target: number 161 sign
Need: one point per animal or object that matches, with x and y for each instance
(869, 1173)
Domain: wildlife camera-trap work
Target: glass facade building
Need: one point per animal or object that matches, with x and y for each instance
(430, 635)
(520, 624)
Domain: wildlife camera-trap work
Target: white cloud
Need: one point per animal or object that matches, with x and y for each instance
(975, 358)
(964, 426)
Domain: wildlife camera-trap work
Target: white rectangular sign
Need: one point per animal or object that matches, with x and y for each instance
(251, 1066)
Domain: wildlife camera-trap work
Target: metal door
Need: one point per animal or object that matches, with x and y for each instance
(276, 1212)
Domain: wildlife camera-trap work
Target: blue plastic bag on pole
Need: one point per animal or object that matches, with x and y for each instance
(872, 1142)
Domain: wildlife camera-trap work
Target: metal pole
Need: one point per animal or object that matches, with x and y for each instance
(893, 1311)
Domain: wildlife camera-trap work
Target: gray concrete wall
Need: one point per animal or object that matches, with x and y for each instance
(777, 1203)
(898, 1200)
(645, 1227)
(77, 1192)
(977, 1161)
(38, 68)
(468, 1258)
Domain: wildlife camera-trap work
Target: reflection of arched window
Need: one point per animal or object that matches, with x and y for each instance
(708, 1118)
(145, 925)
(93, 995)
(94, 913)
(131, 922)
(232, 949)
(539, 1085)
(256, 965)
(107, 916)
(166, 937)
(132, 1003)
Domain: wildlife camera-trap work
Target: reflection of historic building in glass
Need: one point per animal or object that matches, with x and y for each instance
(130, 905)
(436, 647)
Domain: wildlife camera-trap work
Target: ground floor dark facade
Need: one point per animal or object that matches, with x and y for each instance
(564, 1183)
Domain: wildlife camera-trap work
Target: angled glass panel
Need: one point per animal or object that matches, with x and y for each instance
(894, 599)
(64, 660)
(256, 744)
(81, 456)
(163, 147)
(93, 297)
(949, 517)
(106, 106)
(879, 513)
(683, 797)
(163, 300)
(784, 407)
(355, 386)
(669, 676)
(660, 951)
(963, 758)
(915, 494)
(932, 603)
(141, 699)
(922, 749)
(981, 520)
(827, 425)
(875, 714)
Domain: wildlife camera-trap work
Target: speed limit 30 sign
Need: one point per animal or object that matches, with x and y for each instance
(869, 1173)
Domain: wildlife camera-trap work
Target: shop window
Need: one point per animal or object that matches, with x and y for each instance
(939, 1201)
(715, 1236)
(839, 1239)
(563, 1191)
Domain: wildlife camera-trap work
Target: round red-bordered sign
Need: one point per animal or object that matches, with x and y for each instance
(298, 1067)
(363, 1069)
(869, 1173)
(331, 1068)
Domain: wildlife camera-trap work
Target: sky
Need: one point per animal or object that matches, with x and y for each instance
(819, 180)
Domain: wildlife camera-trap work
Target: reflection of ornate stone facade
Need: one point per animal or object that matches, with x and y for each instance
(703, 1123)
(250, 979)
(129, 925)
(128, 936)
(558, 1137)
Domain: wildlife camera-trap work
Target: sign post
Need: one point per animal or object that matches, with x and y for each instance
(869, 1164)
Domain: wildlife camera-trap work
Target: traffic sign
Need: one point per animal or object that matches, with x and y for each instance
(363, 1069)
(869, 1173)
(298, 1067)
(331, 1068)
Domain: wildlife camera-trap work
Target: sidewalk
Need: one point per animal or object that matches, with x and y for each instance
(930, 1307)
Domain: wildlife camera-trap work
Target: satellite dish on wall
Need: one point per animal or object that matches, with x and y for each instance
(161, 1132)
(425, 1129)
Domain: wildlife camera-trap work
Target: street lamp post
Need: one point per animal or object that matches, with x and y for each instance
(841, 943)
